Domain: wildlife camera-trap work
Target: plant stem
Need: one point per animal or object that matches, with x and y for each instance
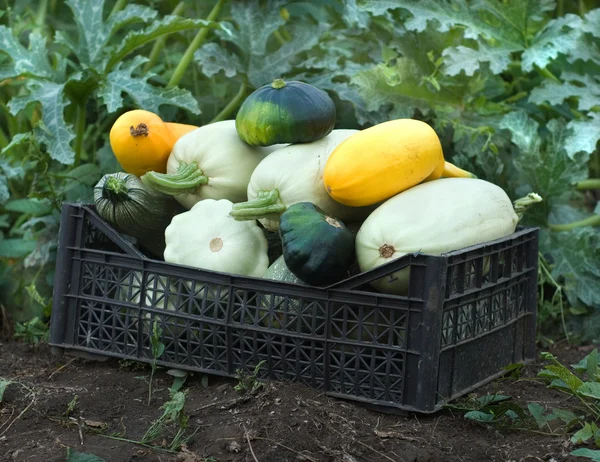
(118, 7)
(516, 97)
(40, 17)
(544, 71)
(191, 49)
(267, 203)
(3, 139)
(582, 8)
(593, 220)
(279, 37)
(232, 105)
(79, 132)
(160, 42)
(522, 205)
(590, 183)
(560, 9)
(187, 179)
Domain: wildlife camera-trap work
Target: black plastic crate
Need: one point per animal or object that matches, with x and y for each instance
(468, 314)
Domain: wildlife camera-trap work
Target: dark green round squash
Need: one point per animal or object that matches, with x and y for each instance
(317, 248)
(285, 112)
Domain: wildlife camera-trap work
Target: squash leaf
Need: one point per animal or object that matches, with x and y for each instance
(52, 130)
(258, 58)
(121, 80)
(4, 192)
(213, 58)
(575, 256)
(399, 85)
(75, 456)
(585, 135)
(94, 33)
(586, 88)
(545, 167)
(32, 62)
(167, 25)
(558, 36)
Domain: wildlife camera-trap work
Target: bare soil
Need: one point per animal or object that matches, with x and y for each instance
(282, 422)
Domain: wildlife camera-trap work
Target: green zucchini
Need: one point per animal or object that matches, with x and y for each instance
(134, 209)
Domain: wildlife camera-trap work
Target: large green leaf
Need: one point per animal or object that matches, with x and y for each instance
(31, 206)
(94, 33)
(500, 28)
(213, 58)
(255, 24)
(558, 36)
(121, 80)
(591, 454)
(546, 168)
(167, 25)
(400, 85)
(585, 88)
(576, 258)
(52, 131)
(457, 59)
(584, 136)
(16, 248)
(32, 62)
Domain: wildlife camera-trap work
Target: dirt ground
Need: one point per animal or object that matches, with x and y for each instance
(282, 422)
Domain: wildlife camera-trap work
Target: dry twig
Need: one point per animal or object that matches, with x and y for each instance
(249, 443)
(61, 368)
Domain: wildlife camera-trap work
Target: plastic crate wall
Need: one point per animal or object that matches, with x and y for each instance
(467, 315)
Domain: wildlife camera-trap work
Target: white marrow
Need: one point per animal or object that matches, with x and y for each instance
(207, 237)
(295, 174)
(433, 218)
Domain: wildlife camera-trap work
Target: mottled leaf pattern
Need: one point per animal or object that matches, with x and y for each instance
(167, 25)
(558, 36)
(52, 130)
(587, 91)
(143, 94)
(214, 58)
(585, 135)
(32, 62)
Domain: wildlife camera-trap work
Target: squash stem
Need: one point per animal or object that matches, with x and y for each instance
(267, 203)
(590, 183)
(198, 40)
(160, 42)
(187, 179)
(593, 220)
(452, 171)
(115, 189)
(522, 205)
(232, 105)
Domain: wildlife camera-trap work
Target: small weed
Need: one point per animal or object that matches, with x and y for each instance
(31, 332)
(173, 415)
(581, 382)
(249, 382)
(30, 394)
(72, 405)
(158, 348)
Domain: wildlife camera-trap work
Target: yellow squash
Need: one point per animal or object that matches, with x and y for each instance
(142, 141)
(383, 160)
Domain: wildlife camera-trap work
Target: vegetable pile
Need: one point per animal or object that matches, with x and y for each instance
(281, 177)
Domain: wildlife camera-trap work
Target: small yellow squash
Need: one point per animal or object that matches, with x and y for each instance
(383, 160)
(142, 141)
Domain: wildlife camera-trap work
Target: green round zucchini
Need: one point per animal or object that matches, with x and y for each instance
(285, 112)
